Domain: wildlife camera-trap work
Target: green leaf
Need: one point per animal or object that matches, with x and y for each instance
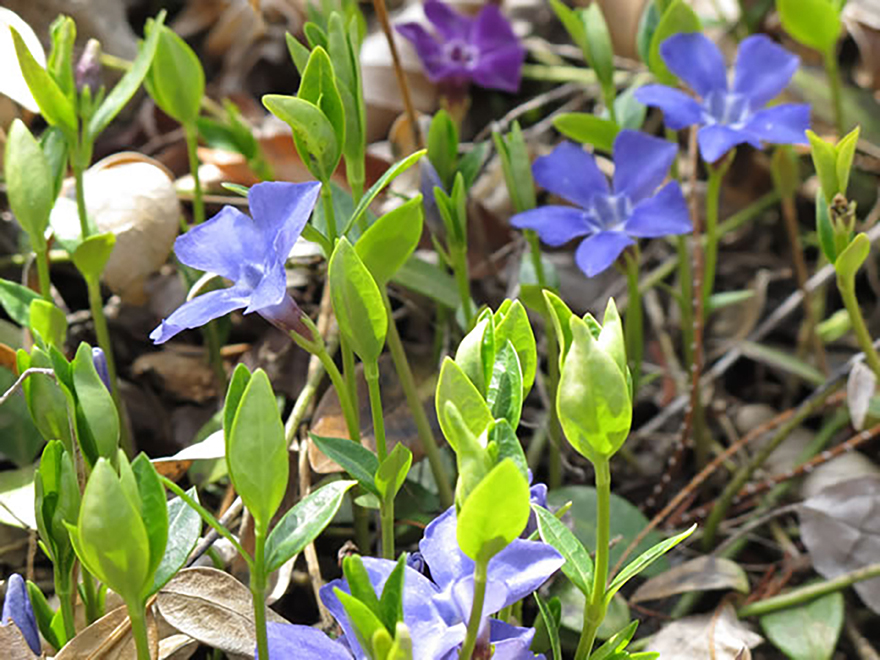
(443, 146)
(587, 129)
(476, 353)
(455, 387)
(561, 316)
(237, 384)
(551, 625)
(806, 631)
(578, 566)
(677, 18)
(504, 437)
(824, 228)
(504, 393)
(782, 359)
(630, 113)
(391, 240)
(644, 560)
(814, 23)
(851, 259)
(392, 472)
(601, 52)
(365, 623)
(846, 151)
(428, 280)
(318, 86)
(484, 529)
(299, 54)
(615, 644)
(470, 164)
(48, 322)
(516, 165)
(29, 183)
(16, 301)
(54, 105)
(304, 522)
(92, 255)
(357, 303)
(352, 457)
(824, 157)
(44, 614)
(54, 147)
(184, 528)
(648, 22)
(56, 501)
(60, 64)
(46, 401)
(391, 602)
(573, 24)
(98, 410)
(175, 80)
(127, 86)
(257, 451)
(344, 55)
(154, 510)
(513, 326)
(315, 136)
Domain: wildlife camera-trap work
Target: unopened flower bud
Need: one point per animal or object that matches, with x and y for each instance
(100, 362)
(88, 68)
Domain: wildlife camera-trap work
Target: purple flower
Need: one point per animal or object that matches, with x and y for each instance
(17, 609)
(100, 362)
(484, 49)
(292, 641)
(729, 116)
(251, 253)
(610, 220)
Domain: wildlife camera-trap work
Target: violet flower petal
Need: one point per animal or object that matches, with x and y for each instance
(571, 173)
(641, 163)
(222, 245)
(601, 250)
(427, 48)
(556, 225)
(763, 69)
(697, 61)
(679, 109)
(99, 359)
(664, 214)
(281, 211)
(271, 289)
(717, 140)
(17, 609)
(500, 69)
(449, 23)
(287, 640)
(781, 124)
(511, 642)
(200, 310)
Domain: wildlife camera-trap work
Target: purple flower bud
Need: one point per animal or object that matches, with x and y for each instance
(17, 609)
(88, 68)
(100, 362)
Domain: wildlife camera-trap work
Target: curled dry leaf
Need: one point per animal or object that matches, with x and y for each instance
(132, 196)
(860, 387)
(212, 607)
(110, 638)
(841, 528)
(701, 574)
(177, 647)
(13, 643)
(720, 636)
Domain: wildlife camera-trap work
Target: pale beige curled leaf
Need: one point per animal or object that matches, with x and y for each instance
(13, 644)
(110, 638)
(177, 647)
(860, 387)
(705, 573)
(12, 83)
(718, 635)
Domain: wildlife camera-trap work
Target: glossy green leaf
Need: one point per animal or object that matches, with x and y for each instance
(846, 151)
(814, 23)
(561, 316)
(299, 53)
(154, 510)
(476, 353)
(257, 451)
(601, 51)
(615, 644)
(352, 457)
(237, 384)
(504, 393)
(391, 601)
(677, 18)
(824, 157)
(97, 405)
(304, 522)
(484, 529)
(29, 183)
(16, 301)
(551, 626)
(513, 326)
(344, 55)
(851, 259)
(824, 228)
(365, 623)
(644, 560)
(48, 322)
(91, 256)
(60, 64)
(313, 133)
(391, 240)
(117, 99)
(175, 80)
(578, 566)
(57, 500)
(587, 129)
(184, 529)
(508, 445)
(318, 86)
(43, 613)
(392, 471)
(429, 280)
(516, 165)
(573, 24)
(808, 631)
(443, 146)
(648, 22)
(455, 387)
(357, 302)
(45, 399)
(54, 105)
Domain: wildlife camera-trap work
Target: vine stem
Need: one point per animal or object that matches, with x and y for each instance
(258, 592)
(386, 511)
(634, 331)
(847, 289)
(713, 196)
(42, 259)
(136, 616)
(833, 73)
(462, 279)
(329, 212)
(65, 596)
(192, 146)
(480, 578)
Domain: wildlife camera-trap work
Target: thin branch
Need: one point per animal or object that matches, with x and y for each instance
(18, 383)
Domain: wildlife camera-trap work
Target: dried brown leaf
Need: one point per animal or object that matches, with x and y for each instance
(13, 644)
(110, 638)
(701, 574)
(690, 638)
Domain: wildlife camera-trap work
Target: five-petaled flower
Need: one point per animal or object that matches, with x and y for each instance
(483, 50)
(17, 610)
(728, 116)
(610, 219)
(251, 252)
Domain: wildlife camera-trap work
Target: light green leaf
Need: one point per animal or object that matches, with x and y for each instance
(97, 405)
(312, 130)
(154, 512)
(184, 528)
(429, 280)
(851, 259)
(48, 322)
(846, 151)
(392, 471)
(92, 255)
(513, 326)
(16, 301)
(29, 183)
(824, 157)
(551, 625)
(504, 393)
(390, 241)
(677, 18)
(443, 146)
(601, 51)
(175, 80)
(54, 105)
(809, 631)
(455, 387)
(578, 566)
(587, 129)
(814, 23)
(352, 457)
(318, 86)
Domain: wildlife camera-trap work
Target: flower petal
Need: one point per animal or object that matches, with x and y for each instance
(493, 31)
(500, 68)
(641, 162)
(449, 23)
(571, 173)
(664, 214)
(427, 48)
(222, 245)
(679, 109)
(287, 640)
(763, 68)
(200, 310)
(717, 140)
(697, 61)
(271, 289)
(599, 251)
(781, 124)
(510, 642)
(556, 225)
(439, 547)
(523, 566)
(17, 608)
(281, 211)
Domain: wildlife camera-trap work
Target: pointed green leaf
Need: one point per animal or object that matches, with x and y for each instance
(29, 183)
(48, 322)
(391, 240)
(504, 394)
(92, 255)
(184, 529)
(352, 457)
(824, 157)
(154, 511)
(176, 80)
(551, 625)
(54, 105)
(578, 566)
(98, 410)
(313, 132)
(391, 602)
(814, 23)
(513, 326)
(587, 129)
(318, 86)
(846, 151)
(16, 301)
(677, 18)
(455, 387)
(443, 146)
(392, 472)
(851, 259)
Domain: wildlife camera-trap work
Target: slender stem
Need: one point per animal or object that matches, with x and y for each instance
(136, 614)
(371, 374)
(633, 329)
(65, 596)
(553, 428)
(42, 259)
(833, 73)
(411, 392)
(212, 339)
(713, 194)
(462, 279)
(349, 374)
(848, 293)
(470, 641)
(329, 212)
(535, 253)
(80, 197)
(685, 277)
(93, 607)
(258, 592)
(594, 611)
(811, 592)
(348, 412)
(386, 516)
(192, 146)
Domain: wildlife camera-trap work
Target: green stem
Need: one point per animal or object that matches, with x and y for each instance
(349, 374)
(192, 146)
(386, 515)
(65, 596)
(462, 279)
(80, 197)
(212, 339)
(470, 641)
(93, 607)
(258, 592)
(847, 289)
(594, 610)
(685, 277)
(42, 259)
(350, 415)
(411, 392)
(633, 328)
(329, 212)
(806, 594)
(371, 374)
(713, 194)
(535, 253)
(136, 615)
(553, 428)
(833, 73)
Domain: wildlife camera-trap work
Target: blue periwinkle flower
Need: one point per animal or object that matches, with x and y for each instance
(729, 115)
(17, 609)
(100, 362)
(251, 253)
(610, 219)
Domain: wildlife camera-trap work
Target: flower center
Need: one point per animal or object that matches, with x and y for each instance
(611, 211)
(461, 53)
(726, 108)
(252, 275)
